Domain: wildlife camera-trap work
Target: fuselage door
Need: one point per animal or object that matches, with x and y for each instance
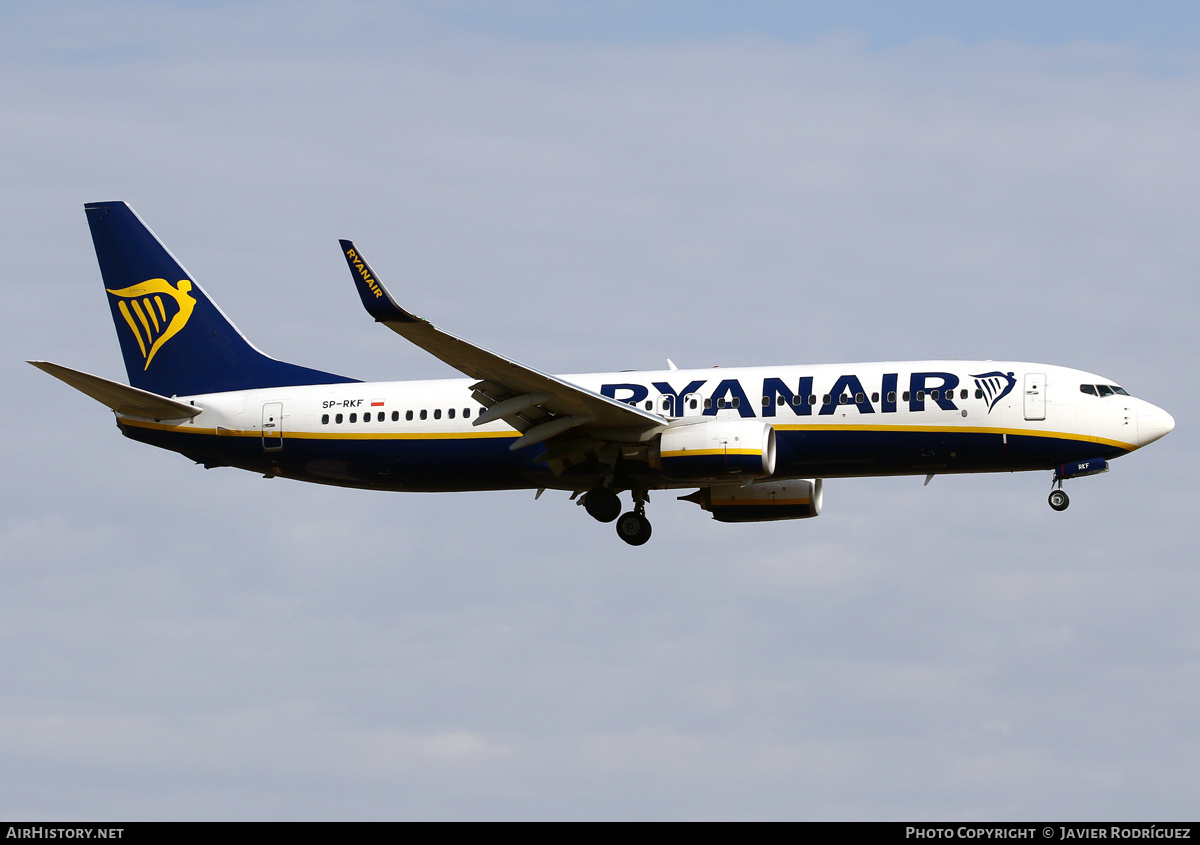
(272, 425)
(657, 403)
(665, 406)
(1035, 396)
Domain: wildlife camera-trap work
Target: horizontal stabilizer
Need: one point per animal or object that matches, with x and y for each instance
(125, 400)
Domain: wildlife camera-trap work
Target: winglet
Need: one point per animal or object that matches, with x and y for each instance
(375, 297)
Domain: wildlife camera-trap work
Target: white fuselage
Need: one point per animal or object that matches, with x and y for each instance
(831, 420)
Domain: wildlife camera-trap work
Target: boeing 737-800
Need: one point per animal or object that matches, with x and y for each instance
(755, 443)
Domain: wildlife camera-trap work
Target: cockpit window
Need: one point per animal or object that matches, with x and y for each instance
(1104, 389)
(1089, 389)
(1120, 391)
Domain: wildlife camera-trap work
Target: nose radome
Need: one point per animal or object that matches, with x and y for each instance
(1152, 423)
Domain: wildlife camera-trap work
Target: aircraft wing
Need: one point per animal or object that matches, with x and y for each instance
(539, 405)
(125, 400)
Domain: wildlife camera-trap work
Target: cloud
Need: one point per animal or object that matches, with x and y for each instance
(180, 642)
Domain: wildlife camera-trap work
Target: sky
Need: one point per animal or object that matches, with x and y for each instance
(596, 187)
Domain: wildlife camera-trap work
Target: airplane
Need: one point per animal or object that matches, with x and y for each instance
(755, 443)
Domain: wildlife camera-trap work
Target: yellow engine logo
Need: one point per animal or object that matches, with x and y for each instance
(155, 312)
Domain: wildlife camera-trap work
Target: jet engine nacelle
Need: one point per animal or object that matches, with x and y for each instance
(797, 498)
(715, 450)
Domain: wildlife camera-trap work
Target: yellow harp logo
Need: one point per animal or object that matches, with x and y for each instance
(146, 312)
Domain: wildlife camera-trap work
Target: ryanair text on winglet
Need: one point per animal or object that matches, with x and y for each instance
(365, 273)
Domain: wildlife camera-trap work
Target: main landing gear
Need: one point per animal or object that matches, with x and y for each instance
(603, 505)
(633, 528)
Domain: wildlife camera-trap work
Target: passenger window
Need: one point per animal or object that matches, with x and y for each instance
(844, 399)
(708, 403)
(1104, 389)
(978, 393)
(379, 417)
(796, 400)
(766, 400)
(424, 414)
(934, 395)
(408, 415)
(859, 398)
(466, 413)
(437, 413)
(920, 395)
(720, 403)
(450, 413)
(649, 405)
(324, 419)
(906, 396)
(962, 394)
(891, 396)
(874, 397)
(812, 398)
(395, 416)
(826, 399)
(354, 418)
(693, 404)
(736, 401)
(338, 419)
(1089, 389)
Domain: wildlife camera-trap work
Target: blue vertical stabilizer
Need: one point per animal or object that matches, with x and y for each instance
(175, 340)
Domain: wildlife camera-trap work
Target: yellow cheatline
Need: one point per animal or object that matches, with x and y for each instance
(394, 435)
(132, 327)
(699, 453)
(187, 428)
(959, 429)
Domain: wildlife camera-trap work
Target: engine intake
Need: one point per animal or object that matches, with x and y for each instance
(715, 450)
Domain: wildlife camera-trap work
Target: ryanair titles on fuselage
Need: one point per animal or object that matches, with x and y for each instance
(934, 386)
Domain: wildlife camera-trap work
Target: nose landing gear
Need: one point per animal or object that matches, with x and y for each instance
(1075, 469)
